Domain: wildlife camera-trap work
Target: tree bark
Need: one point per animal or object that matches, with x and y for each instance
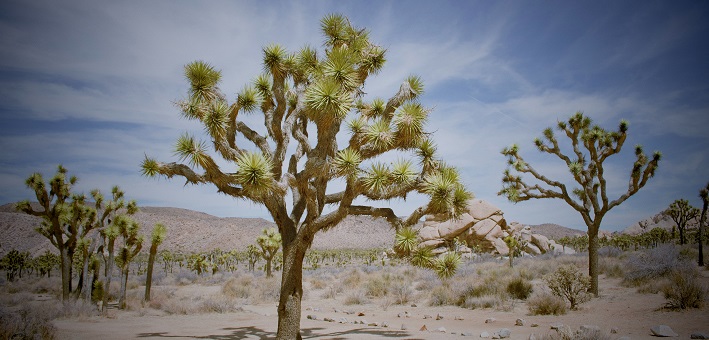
(291, 292)
(149, 274)
(700, 235)
(593, 259)
(124, 285)
(108, 271)
(66, 273)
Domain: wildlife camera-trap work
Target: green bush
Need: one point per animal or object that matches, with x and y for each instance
(519, 288)
(569, 283)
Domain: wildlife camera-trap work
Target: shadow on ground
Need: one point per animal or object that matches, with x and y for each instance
(307, 333)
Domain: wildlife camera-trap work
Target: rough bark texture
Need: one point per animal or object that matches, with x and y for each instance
(149, 273)
(593, 259)
(289, 304)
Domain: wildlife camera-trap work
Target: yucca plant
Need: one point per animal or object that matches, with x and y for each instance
(445, 266)
(306, 98)
(406, 241)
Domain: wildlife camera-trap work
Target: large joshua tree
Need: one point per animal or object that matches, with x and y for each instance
(681, 212)
(305, 98)
(590, 147)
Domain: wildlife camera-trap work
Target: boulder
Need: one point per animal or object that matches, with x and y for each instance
(541, 241)
(452, 228)
(501, 247)
(481, 229)
(663, 331)
(432, 243)
(481, 210)
(429, 233)
(532, 249)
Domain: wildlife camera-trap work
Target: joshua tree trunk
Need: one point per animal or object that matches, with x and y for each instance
(593, 258)
(149, 274)
(66, 273)
(124, 285)
(107, 273)
(291, 292)
(87, 285)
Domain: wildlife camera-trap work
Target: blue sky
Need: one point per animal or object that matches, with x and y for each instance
(91, 85)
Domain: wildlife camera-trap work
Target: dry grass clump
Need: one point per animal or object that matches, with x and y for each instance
(569, 283)
(27, 323)
(545, 303)
(356, 298)
(252, 289)
(684, 290)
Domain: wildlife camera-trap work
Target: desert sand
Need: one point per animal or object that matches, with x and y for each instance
(618, 308)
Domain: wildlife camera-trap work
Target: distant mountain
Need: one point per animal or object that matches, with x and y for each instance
(555, 231)
(193, 231)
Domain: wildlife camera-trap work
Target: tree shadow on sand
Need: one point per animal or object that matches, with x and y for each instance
(250, 332)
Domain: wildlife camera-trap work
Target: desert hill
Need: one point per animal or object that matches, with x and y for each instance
(193, 231)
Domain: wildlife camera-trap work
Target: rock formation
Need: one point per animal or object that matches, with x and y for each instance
(483, 228)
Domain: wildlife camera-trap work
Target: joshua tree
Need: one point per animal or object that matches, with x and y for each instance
(681, 213)
(252, 254)
(704, 195)
(306, 97)
(64, 217)
(269, 242)
(516, 245)
(129, 230)
(445, 266)
(156, 237)
(590, 199)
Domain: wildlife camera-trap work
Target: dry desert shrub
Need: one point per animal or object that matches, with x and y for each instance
(27, 323)
(316, 283)
(356, 298)
(15, 299)
(545, 303)
(651, 264)
(239, 287)
(352, 279)
(684, 290)
(569, 283)
(442, 295)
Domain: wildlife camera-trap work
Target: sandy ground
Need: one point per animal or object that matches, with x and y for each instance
(630, 313)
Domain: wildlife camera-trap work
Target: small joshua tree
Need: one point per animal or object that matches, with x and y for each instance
(269, 242)
(445, 266)
(591, 146)
(129, 230)
(156, 238)
(516, 245)
(681, 212)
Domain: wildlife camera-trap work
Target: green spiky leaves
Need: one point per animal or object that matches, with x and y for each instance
(329, 101)
(403, 172)
(448, 195)
(216, 119)
(274, 60)
(340, 66)
(249, 99)
(189, 149)
(378, 178)
(415, 86)
(409, 120)
(254, 173)
(446, 266)
(406, 241)
(149, 167)
(380, 135)
(203, 80)
(347, 163)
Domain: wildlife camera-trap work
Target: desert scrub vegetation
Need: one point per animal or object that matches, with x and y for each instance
(545, 303)
(650, 269)
(683, 290)
(569, 283)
